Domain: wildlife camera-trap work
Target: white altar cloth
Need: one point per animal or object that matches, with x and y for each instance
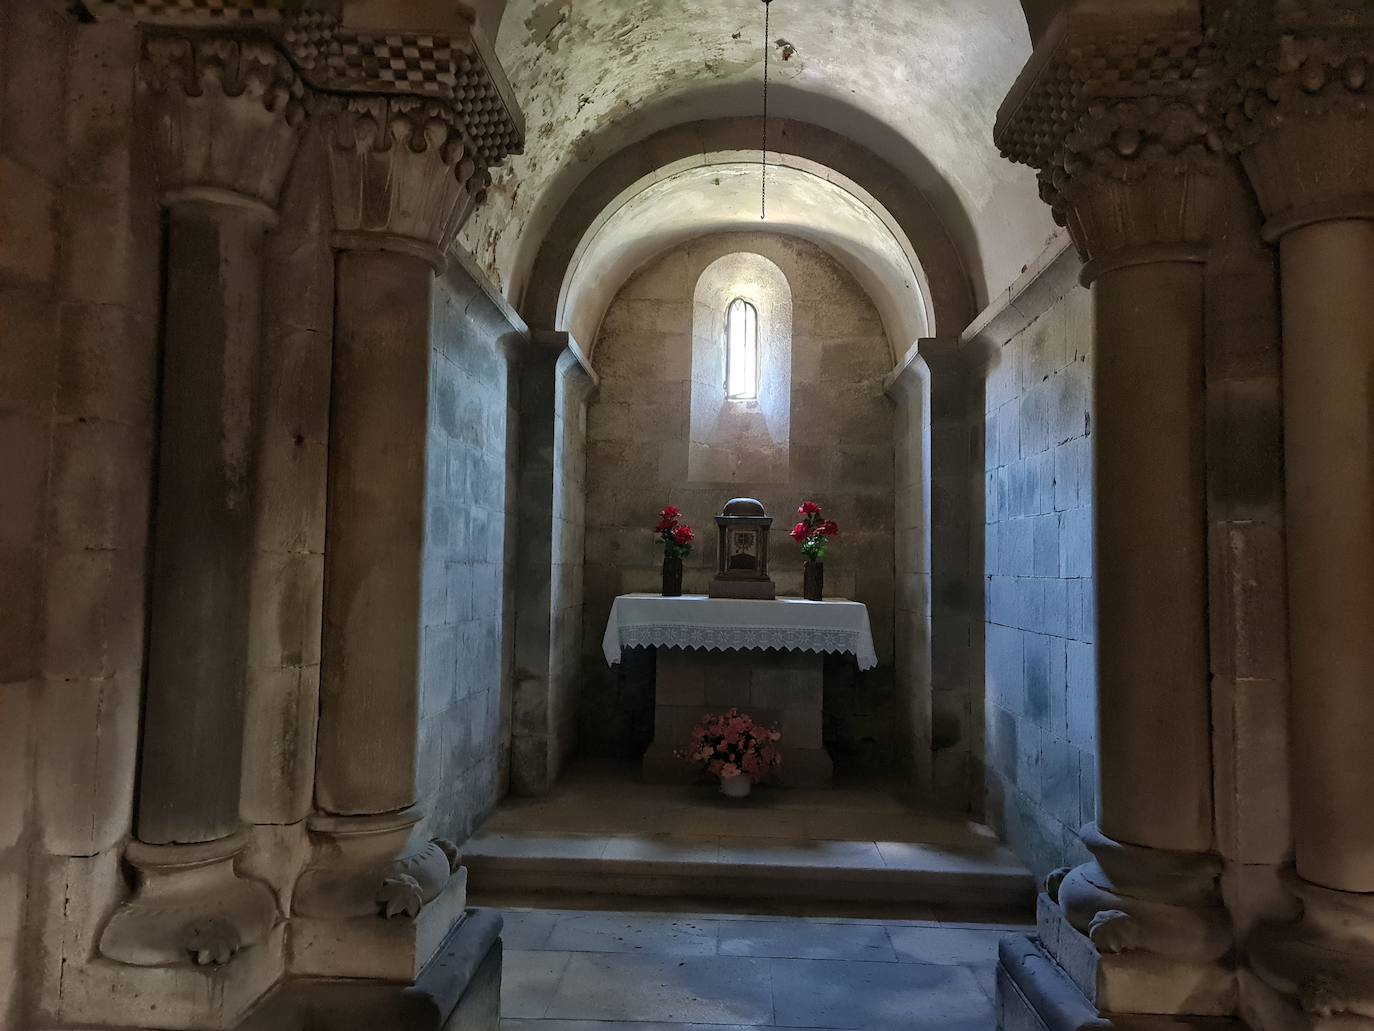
(728, 624)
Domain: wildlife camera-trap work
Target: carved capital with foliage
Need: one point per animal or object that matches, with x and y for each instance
(1295, 101)
(1116, 124)
(405, 176)
(225, 116)
(418, 114)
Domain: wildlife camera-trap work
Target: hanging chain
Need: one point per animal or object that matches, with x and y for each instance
(767, 32)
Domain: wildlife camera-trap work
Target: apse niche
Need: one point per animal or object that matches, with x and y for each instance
(741, 403)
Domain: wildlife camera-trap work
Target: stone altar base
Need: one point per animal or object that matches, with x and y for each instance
(781, 689)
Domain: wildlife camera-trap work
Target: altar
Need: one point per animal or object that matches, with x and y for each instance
(764, 658)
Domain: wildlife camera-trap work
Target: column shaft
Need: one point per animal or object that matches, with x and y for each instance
(369, 693)
(1328, 370)
(198, 609)
(1151, 561)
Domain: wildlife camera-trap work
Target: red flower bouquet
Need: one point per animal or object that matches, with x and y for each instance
(676, 537)
(813, 533)
(734, 745)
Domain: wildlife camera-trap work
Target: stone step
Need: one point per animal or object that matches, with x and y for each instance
(948, 879)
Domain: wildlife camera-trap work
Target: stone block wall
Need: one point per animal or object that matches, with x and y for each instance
(78, 378)
(840, 455)
(1039, 659)
(468, 602)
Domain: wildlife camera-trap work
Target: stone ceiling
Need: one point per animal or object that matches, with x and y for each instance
(917, 82)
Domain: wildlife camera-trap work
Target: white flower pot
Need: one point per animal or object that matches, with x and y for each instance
(737, 786)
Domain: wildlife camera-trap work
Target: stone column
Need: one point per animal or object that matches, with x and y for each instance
(910, 385)
(224, 116)
(1140, 929)
(1298, 111)
(403, 179)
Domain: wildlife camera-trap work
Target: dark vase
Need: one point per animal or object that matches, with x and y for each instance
(813, 580)
(672, 576)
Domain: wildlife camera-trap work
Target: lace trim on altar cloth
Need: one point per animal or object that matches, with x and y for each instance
(744, 638)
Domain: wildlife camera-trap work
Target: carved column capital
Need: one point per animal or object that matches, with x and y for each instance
(436, 93)
(226, 116)
(1295, 101)
(405, 174)
(1117, 127)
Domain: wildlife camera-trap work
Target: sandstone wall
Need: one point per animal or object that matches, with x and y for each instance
(469, 566)
(1040, 713)
(840, 454)
(78, 376)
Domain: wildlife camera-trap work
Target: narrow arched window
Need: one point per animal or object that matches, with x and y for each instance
(741, 351)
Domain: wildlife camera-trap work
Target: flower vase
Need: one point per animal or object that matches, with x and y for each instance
(672, 576)
(737, 786)
(813, 580)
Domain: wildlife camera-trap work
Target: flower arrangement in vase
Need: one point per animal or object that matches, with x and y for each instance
(813, 533)
(736, 749)
(676, 539)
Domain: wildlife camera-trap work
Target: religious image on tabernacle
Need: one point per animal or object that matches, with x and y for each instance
(744, 553)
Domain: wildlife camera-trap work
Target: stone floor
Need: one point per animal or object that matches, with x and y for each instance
(618, 971)
(603, 831)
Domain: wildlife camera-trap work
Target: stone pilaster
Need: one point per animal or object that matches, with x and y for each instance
(1113, 114)
(1297, 105)
(543, 496)
(224, 116)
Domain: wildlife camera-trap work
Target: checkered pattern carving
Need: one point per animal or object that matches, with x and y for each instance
(334, 58)
(1081, 75)
(213, 11)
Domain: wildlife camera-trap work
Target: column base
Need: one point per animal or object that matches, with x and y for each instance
(1138, 936)
(190, 907)
(1142, 930)
(1137, 982)
(459, 989)
(1316, 974)
(373, 947)
(366, 907)
(1034, 993)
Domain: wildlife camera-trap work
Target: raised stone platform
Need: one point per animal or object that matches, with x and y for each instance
(601, 832)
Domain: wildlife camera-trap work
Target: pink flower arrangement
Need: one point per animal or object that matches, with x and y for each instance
(734, 745)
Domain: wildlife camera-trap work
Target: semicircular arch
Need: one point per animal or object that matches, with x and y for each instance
(892, 199)
(720, 193)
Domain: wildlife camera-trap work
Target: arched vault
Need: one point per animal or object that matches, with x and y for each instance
(913, 86)
(705, 177)
(721, 191)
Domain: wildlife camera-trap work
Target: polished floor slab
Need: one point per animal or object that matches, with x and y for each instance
(579, 970)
